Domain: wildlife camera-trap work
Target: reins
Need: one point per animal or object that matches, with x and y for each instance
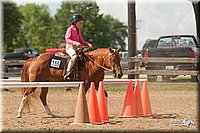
(97, 63)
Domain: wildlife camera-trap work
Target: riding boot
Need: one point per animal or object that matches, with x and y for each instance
(69, 67)
(66, 77)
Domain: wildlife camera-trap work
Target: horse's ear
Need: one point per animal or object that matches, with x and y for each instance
(111, 50)
(118, 49)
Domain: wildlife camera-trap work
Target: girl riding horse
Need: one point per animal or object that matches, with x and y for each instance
(96, 61)
(74, 40)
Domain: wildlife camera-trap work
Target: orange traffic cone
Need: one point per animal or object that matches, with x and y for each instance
(129, 102)
(94, 113)
(145, 100)
(102, 103)
(138, 100)
(81, 113)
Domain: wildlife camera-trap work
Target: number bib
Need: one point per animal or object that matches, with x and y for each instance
(55, 63)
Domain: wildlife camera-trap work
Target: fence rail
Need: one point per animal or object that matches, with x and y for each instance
(16, 83)
(13, 62)
(137, 71)
(38, 84)
(161, 60)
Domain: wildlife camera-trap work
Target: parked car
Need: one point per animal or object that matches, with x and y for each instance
(180, 46)
(4, 69)
(123, 54)
(17, 54)
(20, 54)
(149, 43)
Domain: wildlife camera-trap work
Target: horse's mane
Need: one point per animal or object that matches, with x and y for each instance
(98, 51)
(94, 56)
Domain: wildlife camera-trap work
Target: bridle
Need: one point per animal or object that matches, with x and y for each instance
(108, 69)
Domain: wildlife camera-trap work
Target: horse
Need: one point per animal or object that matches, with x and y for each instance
(95, 62)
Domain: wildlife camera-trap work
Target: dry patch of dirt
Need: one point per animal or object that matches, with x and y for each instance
(167, 106)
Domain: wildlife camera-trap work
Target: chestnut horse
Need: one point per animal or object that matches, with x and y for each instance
(96, 61)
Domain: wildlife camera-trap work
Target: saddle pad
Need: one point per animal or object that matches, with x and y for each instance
(62, 55)
(57, 62)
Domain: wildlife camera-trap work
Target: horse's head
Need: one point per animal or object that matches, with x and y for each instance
(112, 61)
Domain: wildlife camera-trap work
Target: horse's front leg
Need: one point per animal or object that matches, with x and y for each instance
(24, 100)
(43, 96)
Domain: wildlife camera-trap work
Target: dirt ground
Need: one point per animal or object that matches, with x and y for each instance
(168, 107)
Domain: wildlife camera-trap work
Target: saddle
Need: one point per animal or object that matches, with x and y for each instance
(60, 61)
(62, 55)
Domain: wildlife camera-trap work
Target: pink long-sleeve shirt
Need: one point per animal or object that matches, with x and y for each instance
(73, 36)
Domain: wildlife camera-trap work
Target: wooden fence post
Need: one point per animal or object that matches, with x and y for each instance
(131, 35)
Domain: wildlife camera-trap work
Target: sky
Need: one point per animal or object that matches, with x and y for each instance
(155, 18)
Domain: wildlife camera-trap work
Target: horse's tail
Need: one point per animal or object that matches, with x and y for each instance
(25, 78)
(24, 73)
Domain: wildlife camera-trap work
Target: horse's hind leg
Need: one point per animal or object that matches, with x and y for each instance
(43, 96)
(24, 100)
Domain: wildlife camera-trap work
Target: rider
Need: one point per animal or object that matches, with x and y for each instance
(74, 40)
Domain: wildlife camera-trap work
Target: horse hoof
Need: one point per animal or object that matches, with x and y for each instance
(18, 116)
(52, 116)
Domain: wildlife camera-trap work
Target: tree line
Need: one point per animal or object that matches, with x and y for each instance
(31, 25)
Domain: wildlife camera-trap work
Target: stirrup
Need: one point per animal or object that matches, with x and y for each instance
(67, 75)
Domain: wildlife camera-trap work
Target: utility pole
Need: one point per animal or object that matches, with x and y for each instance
(196, 6)
(131, 36)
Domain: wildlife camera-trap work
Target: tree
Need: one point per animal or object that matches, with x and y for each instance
(117, 31)
(97, 29)
(35, 26)
(32, 26)
(92, 30)
(11, 23)
(60, 24)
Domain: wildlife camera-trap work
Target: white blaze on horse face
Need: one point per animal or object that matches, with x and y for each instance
(109, 54)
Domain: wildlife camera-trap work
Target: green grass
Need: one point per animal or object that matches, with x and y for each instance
(123, 89)
(152, 89)
(172, 88)
(115, 89)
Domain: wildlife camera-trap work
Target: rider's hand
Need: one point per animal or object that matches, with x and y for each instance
(90, 45)
(78, 43)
